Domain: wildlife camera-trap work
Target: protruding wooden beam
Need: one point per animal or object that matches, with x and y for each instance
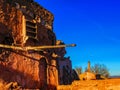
(35, 47)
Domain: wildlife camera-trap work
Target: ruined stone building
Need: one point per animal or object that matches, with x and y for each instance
(88, 75)
(24, 26)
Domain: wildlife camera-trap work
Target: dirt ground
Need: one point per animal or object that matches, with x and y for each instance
(107, 84)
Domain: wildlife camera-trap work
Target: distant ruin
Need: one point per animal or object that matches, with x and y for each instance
(88, 75)
(24, 23)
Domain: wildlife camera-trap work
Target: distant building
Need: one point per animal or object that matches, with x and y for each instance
(88, 75)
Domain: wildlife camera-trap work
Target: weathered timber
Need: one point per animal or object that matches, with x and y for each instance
(35, 47)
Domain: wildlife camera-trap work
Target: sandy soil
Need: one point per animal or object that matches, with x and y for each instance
(108, 84)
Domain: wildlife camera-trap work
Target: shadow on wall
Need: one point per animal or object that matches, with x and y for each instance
(75, 76)
(8, 74)
(5, 35)
(43, 72)
(26, 81)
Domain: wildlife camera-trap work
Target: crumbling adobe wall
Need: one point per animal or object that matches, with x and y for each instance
(65, 71)
(11, 22)
(31, 69)
(64, 65)
(21, 69)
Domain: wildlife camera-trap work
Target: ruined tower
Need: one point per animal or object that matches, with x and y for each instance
(88, 68)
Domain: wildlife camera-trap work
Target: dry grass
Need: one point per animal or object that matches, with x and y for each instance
(108, 84)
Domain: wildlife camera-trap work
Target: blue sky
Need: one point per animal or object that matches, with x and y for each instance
(94, 25)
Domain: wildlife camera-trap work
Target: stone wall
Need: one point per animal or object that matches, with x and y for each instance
(31, 69)
(14, 12)
(65, 71)
(26, 23)
(64, 65)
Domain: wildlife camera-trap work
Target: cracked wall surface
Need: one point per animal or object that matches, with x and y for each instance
(26, 23)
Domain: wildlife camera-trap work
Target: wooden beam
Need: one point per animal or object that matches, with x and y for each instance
(35, 47)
